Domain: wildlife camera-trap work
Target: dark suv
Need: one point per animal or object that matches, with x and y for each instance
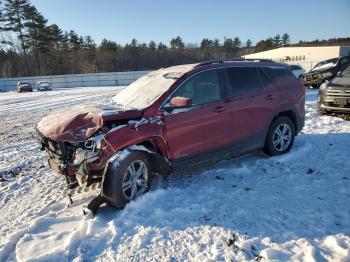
(173, 117)
(326, 70)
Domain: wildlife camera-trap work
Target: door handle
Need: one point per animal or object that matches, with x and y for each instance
(219, 109)
(270, 97)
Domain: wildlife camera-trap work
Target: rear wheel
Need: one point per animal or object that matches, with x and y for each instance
(127, 178)
(280, 137)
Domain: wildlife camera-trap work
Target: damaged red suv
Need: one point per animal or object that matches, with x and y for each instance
(175, 117)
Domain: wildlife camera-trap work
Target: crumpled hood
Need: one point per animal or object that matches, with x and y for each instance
(80, 123)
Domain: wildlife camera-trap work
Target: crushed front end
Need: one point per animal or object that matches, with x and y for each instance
(81, 163)
(313, 78)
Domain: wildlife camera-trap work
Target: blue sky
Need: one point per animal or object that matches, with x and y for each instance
(193, 20)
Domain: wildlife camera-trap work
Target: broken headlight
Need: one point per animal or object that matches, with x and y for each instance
(95, 143)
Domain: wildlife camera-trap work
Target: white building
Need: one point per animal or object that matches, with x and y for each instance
(306, 56)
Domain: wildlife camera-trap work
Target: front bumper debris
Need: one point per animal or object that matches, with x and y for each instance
(313, 78)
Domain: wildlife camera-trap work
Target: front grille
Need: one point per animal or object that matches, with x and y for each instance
(338, 93)
(337, 98)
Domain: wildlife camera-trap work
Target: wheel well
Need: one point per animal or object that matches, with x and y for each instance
(160, 164)
(291, 115)
(150, 146)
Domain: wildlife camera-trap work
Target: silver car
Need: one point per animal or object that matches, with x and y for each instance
(43, 86)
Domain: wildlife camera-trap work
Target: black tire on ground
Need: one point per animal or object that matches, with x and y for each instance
(112, 183)
(279, 123)
(322, 111)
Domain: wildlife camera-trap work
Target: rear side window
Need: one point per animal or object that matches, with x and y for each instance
(242, 80)
(275, 72)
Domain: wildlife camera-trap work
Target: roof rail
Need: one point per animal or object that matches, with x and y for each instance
(233, 60)
(209, 63)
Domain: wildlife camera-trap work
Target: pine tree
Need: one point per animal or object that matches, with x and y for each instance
(14, 19)
(206, 43)
(228, 44)
(177, 43)
(74, 40)
(248, 44)
(276, 40)
(36, 36)
(55, 36)
(236, 43)
(90, 48)
(152, 46)
(285, 39)
(162, 47)
(216, 42)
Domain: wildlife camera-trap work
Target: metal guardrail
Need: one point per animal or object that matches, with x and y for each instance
(78, 80)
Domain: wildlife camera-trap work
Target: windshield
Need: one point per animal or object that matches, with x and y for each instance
(147, 89)
(346, 72)
(326, 63)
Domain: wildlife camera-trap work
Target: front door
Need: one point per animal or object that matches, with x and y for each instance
(199, 128)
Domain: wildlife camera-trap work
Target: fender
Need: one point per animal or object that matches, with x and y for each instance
(128, 136)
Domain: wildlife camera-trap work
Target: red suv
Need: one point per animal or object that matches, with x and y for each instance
(173, 117)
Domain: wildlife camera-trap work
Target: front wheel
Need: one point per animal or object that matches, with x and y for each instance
(127, 178)
(280, 137)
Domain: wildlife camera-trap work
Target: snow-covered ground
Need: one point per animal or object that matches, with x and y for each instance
(292, 207)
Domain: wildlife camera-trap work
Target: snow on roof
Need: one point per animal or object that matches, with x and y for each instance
(144, 91)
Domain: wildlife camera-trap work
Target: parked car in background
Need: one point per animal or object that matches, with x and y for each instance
(43, 86)
(24, 87)
(335, 95)
(298, 71)
(175, 117)
(326, 70)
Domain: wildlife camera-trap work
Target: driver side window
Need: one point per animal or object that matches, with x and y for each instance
(202, 88)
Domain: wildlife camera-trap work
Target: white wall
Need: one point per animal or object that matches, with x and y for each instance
(79, 80)
(304, 56)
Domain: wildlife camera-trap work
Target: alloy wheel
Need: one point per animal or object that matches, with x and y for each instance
(135, 179)
(282, 137)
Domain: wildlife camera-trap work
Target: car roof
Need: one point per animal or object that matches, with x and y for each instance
(188, 68)
(238, 63)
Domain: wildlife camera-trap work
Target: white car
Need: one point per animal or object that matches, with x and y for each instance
(298, 71)
(43, 86)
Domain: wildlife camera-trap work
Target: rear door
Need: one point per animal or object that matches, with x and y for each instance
(247, 103)
(200, 128)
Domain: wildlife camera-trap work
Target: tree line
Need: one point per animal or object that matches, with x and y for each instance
(30, 47)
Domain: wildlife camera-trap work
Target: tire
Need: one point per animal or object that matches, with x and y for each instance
(115, 183)
(322, 111)
(273, 144)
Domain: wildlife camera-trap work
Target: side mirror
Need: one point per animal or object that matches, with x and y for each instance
(178, 102)
(339, 73)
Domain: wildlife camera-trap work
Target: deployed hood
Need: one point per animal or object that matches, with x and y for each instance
(80, 123)
(324, 67)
